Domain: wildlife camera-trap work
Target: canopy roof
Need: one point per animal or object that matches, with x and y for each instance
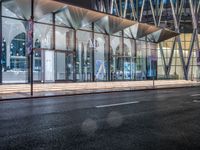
(77, 17)
(113, 24)
(140, 30)
(161, 35)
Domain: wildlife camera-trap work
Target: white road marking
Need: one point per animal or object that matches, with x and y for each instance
(196, 101)
(194, 95)
(117, 104)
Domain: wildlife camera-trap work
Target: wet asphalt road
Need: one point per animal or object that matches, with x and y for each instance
(142, 120)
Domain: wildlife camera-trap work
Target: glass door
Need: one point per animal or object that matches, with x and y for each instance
(69, 67)
(60, 65)
(63, 66)
(43, 66)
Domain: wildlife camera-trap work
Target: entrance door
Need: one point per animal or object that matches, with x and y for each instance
(63, 66)
(51, 66)
(43, 66)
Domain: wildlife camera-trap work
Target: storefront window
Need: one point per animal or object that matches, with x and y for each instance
(152, 59)
(141, 61)
(18, 10)
(15, 63)
(57, 58)
(43, 34)
(64, 66)
(101, 50)
(64, 39)
(117, 62)
(129, 59)
(84, 56)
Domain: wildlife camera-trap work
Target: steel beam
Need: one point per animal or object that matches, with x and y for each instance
(133, 10)
(171, 57)
(153, 13)
(179, 40)
(163, 58)
(191, 49)
(142, 10)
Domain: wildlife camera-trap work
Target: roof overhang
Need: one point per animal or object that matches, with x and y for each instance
(140, 30)
(112, 24)
(161, 35)
(78, 17)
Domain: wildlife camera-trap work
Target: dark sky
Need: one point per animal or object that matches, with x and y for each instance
(82, 3)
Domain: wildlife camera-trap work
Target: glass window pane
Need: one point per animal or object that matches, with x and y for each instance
(64, 39)
(46, 19)
(17, 9)
(84, 56)
(37, 65)
(14, 51)
(141, 61)
(43, 36)
(60, 62)
(101, 57)
(117, 62)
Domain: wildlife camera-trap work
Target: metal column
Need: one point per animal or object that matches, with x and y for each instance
(123, 54)
(93, 55)
(54, 43)
(31, 54)
(109, 59)
(74, 56)
(1, 41)
(135, 60)
(146, 59)
(54, 31)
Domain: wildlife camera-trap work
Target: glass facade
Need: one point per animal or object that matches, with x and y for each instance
(178, 58)
(69, 47)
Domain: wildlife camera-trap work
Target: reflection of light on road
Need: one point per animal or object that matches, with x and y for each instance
(89, 127)
(196, 101)
(114, 119)
(194, 95)
(117, 104)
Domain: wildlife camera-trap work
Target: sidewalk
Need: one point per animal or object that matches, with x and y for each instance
(53, 89)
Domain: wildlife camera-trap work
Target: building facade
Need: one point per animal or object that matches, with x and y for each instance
(177, 57)
(48, 41)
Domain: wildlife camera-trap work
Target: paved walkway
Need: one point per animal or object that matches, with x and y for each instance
(51, 89)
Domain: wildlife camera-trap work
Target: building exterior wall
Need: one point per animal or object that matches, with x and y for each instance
(65, 54)
(177, 57)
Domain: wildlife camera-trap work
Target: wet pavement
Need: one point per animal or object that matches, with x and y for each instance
(140, 120)
(10, 91)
